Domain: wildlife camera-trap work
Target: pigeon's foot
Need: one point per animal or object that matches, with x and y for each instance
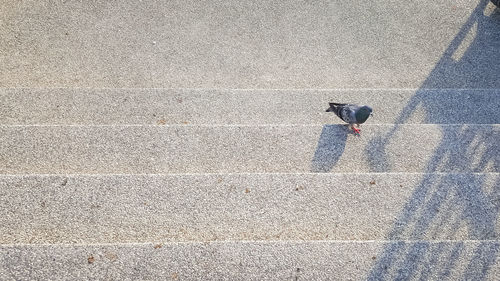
(358, 131)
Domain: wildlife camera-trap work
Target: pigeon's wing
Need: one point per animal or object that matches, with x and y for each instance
(335, 108)
(347, 113)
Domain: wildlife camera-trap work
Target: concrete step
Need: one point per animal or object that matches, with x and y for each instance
(249, 107)
(209, 207)
(250, 44)
(294, 260)
(269, 148)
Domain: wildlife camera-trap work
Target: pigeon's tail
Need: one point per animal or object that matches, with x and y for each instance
(334, 107)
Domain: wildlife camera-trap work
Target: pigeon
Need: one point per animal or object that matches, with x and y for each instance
(351, 113)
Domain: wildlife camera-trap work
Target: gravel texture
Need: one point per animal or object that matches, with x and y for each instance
(320, 260)
(274, 148)
(250, 44)
(127, 209)
(126, 151)
(248, 107)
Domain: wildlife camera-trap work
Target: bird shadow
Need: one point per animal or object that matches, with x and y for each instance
(331, 145)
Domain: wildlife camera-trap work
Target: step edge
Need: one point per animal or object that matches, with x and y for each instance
(245, 242)
(72, 175)
(244, 125)
(250, 89)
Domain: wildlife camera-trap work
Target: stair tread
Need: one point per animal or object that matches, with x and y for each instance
(250, 107)
(246, 44)
(141, 208)
(213, 149)
(371, 260)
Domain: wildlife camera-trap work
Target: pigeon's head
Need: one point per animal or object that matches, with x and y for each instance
(363, 113)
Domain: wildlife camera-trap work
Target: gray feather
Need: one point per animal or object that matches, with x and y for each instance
(346, 112)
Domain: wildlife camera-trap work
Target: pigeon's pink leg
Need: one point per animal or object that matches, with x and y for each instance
(356, 130)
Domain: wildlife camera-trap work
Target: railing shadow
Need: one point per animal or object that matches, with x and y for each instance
(461, 205)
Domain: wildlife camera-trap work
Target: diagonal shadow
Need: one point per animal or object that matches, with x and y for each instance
(459, 205)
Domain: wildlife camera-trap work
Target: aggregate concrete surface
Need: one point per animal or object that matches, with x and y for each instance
(273, 148)
(142, 208)
(320, 260)
(249, 44)
(249, 107)
(188, 140)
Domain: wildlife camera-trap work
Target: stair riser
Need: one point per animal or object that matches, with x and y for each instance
(249, 44)
(255, 261)
(200, 149)
(110, 209)
(250, 107)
